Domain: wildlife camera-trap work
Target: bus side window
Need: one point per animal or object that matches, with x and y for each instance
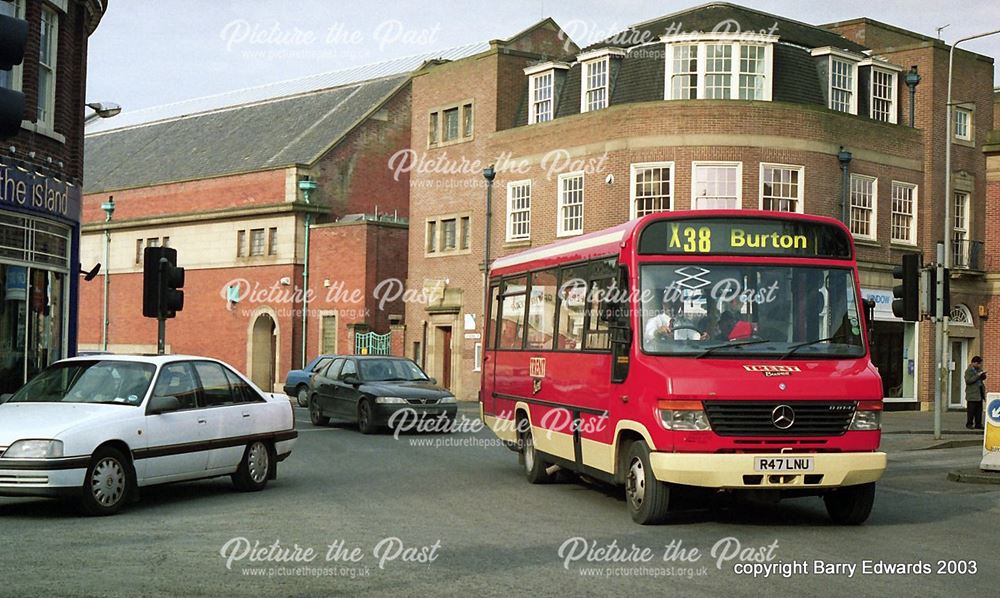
(513, 307)
(541, 310)
(620, 324)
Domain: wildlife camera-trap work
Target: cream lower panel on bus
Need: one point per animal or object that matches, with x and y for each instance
(598, 455)
(829, 470)
(504, 429)
(553, 443)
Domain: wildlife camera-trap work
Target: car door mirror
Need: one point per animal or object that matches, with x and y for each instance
(351, 379)
(5, 397)
(432, 381)
(160, 405)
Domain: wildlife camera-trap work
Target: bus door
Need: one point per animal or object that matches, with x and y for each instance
(489, 362)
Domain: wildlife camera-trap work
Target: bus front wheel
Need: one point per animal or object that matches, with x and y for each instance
(648, 498)
(535, 468)
(850, 505)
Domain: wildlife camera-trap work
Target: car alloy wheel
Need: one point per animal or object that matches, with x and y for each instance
(108, 482)
(258, 462)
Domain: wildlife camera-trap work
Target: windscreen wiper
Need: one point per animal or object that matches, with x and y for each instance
(731, 344)
(795, 348)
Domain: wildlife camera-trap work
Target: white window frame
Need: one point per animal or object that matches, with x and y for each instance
(47, 118)
(739, 181)
(534, 73)
(893, 71)
(561, 230)
(800, 200)
(585, 83)
(913, 214)
(633, 173)
(855, 60)
(736, 41)
(970, 114)
(511, 238)
(959, 254)
(535, 115)
(873, 225)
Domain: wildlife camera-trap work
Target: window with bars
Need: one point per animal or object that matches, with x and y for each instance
(716, 186)
(842, 85)
(863, 206)
(47, 50)
(570, 204)
(883, 104)
(519, 211)
(256, 242)
(684, 77)
(718, 72)
(904, 213)
(781, 188)
(651, 188)
(595, 95)
(752, 66)
(542, 97)
(963, 124)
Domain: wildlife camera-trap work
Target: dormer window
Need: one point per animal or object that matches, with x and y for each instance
(883, 85)
(719, 67)
(842, 78)
(543, 81)
(596, 77)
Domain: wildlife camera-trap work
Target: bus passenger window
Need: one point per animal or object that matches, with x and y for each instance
(512, 317)
(541, 310)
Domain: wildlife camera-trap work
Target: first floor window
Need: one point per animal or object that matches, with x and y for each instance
(432, 129)
(241, 243)
(651, 188)
(960, 230)
(467, 120)
(272, 241)
(904, 212)
(448, 232)
(431, 236)
(863, 206)
(570, 204)
(519, 211)
(963, 124)
(257, 242)
(463, 242)
(451, 124)
(716, 186)
(781, 188)
(47, 48)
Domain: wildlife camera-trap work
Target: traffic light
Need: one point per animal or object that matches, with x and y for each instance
(13, 37)
(161, 279)
(932, 292)
(906, 296)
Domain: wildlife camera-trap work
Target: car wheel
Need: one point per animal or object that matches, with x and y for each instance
(255, 469)
(316, 414)
(302, 397)
(535, 468)
(366, 417)
(648, 499)
(850, 505)
(108, 484)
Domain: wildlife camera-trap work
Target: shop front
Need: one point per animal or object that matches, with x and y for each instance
(894, 350)
(39, 272)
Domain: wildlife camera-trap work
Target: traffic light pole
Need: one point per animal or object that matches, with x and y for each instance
(939, 339)
(161, 322)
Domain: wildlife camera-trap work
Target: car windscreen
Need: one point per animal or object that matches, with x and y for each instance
(390, 370)
(98, 381)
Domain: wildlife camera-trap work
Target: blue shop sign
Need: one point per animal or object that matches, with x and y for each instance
(38, 193)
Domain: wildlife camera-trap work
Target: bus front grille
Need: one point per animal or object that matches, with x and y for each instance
(771, 418)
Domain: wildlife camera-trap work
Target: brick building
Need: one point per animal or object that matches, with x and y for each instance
(221, 184)
(756, 114)
(41, 174)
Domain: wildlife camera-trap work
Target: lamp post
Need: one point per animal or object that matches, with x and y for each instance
(101, 110)
(307, 185)
(845, 157)
(912, 79)
(109, 211)
(941, 321)
(489, 173)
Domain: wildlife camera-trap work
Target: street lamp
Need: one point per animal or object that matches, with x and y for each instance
(307, 185)
(489, 173)
(109, 211)
(844, 157)
(941, 320)
(101, 110)
(912, 79)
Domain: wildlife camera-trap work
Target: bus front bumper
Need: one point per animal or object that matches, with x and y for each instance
(738, 471)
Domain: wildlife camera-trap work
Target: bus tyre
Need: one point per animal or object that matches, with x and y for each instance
(648, 498)
(535, 468)
(850, 505)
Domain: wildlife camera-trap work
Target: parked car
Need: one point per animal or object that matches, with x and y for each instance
(370, 389)
(297, 381)
(101, 427)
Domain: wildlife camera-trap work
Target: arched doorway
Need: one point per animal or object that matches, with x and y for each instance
(263, 348)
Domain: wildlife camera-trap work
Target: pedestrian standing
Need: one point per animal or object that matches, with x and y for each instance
(975, 394)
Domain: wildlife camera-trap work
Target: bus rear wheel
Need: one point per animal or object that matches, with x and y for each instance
(648, 498)
(535, 468)
(850, 505)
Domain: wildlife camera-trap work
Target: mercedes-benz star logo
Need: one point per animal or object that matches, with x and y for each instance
(783, 417)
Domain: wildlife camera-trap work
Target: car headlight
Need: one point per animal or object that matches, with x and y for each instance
(35, 449)
(390, 400)
(868, 416)
(448, 399)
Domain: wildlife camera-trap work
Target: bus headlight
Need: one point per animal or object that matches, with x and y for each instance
(683, 415)
(868, 416)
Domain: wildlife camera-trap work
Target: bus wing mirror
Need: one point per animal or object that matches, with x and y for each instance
(870, 317)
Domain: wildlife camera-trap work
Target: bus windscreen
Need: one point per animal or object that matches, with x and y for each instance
(744, 236)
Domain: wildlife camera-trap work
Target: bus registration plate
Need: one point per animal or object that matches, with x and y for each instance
(783, 464)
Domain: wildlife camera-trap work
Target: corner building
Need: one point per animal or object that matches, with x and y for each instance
(779, 115)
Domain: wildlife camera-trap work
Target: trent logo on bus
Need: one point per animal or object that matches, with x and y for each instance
(773, 370)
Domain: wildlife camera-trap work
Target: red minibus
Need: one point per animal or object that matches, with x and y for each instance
(725, 350)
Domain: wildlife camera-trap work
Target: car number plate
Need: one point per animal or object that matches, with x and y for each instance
(783, 464)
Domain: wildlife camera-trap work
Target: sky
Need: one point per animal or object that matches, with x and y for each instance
(148, 53)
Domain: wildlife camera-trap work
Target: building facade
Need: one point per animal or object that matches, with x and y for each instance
(765, 114)
(41, 177)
